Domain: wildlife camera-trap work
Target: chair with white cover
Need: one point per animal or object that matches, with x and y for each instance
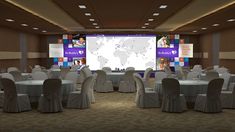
(72, 76)
(130, 68)
(197, 68)
(36, 69)
(228, 98)
(146, 77)
(55, 67)
(160, 75)
(210, 75)
(107, 69)
(222, 70)
(91, 90)
(51, 100)
(8, 75)
(54, 73)
(39, 76)
(145, 99)
(102, 82)
(80, 99)
(74, 68)
(226, 76)
(17, 75)
(84, 73)
(172, 100)
(127, 83)
(215, 67)
(193, 75)
(14, 102)
(12, 69)
(210, 102)
(64, 71)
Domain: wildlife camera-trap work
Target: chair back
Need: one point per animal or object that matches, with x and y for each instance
(55, 67)
(101, 77)
(12, 69)
(75, 68)
(8, 75)
(107, 69)
(222, 70)
(73, 76)
(52, 88)
(86, 71)
(54, 73)
(226, 76)
(139, 84)
(39, 75)
(171, 87)
(130, 68)
(35, 69)
(214, 89)
(192, 75)
(197, 68)
(147, 73)
(210, 75)
(17, 75)
(64, 71)
(160, 75)
(87, 84)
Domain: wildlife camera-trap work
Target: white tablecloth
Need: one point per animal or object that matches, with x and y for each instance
(115, 77)
(190, 88)
(34, 88)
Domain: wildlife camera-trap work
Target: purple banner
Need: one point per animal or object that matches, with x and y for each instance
(167, 52)
(75, 52)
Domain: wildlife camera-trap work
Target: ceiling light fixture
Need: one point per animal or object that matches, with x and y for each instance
(155, 14)
(163, 6)
(82, 6)
(24, 25)
(92, 20)
(204, 28)
(195, 31)
(44, 31)
(87, 14)
(10, 20)
(94, 24)
(150, 19)
(143, 27)
(215, 25)
(97, 27)
(35, 28)
(231, 20)
(146, 24)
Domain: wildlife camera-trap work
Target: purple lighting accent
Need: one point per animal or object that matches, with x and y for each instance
(75, 52)
(167, 52)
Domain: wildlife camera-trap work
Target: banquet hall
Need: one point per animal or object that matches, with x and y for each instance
(117, 66)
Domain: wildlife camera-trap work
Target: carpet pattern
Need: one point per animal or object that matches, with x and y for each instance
(117, 112)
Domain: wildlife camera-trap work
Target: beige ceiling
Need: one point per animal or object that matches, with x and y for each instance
(59, 16)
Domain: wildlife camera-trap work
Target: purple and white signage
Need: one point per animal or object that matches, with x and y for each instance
(75, 52)
(167, 52)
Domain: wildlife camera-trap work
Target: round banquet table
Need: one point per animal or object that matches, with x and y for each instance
(34, 89)
(115, 77)
(190, 88)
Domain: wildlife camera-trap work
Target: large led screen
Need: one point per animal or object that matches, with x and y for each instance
(121, 51)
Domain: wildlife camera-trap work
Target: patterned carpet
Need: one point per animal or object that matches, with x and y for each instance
(116, 112)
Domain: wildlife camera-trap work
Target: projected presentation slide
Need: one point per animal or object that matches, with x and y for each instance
(121, 51)
(56, 50)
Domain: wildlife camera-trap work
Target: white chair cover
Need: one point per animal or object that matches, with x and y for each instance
(102, 83)
(14, 102)
(130, 68)
(107, 69)
(145, 99)
(146, 77)
(73, 76)
(55, 67)
(228, 98)
(39, 76)
(8, 75)
(51, 100)
(37, 66)
(226, 76)
(222, 70)
(75, 68)
(54, 73)
(17, 75)
(80, 99)
(215, 67)
(193, 75)
(64, 71)
(12, 69)
(127, 83)
(210, 75)
(159, 76)
(172, 101)
(210, 102)
(84, 73)
(91, 90)
(36, 69)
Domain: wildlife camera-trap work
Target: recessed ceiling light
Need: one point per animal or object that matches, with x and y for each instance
(163, 6)
(155, 14)
(231, 20)
(204, 28)
(35, 28)
(97, 27)
(87, 14)
(94, 24)
(92, 20)
(195, 31)
(82, 6)
(215, 25)
(143, 27)
(24, 25)
(10, 20)
(150, 19)
(146, 24)
(44, 31)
